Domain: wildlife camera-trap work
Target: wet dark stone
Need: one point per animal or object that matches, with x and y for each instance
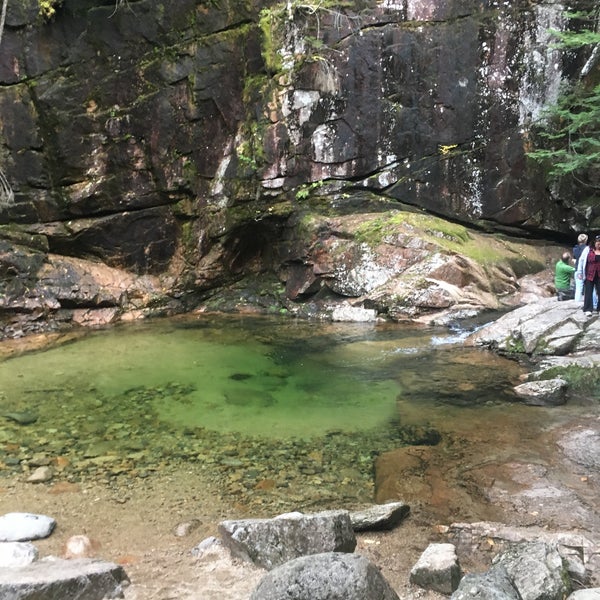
(22, 418)
(240, 376)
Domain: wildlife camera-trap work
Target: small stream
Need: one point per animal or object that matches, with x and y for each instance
(274, 412)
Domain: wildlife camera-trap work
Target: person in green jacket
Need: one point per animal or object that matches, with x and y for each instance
(563, 273)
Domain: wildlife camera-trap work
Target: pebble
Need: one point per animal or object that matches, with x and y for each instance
(22, 418)
(184, 529)
(78, 546)
(41, 475)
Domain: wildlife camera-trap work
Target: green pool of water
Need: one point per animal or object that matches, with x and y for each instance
(261, 377)
(225, 379)
(275, 412)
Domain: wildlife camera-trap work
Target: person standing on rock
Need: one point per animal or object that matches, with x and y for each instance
(589, 268)
(582, 239)
(562, 278)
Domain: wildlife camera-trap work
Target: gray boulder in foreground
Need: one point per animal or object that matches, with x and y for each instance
(328, 576)
(379, 516)
(59, 579)
(537, 571)
(269, 543)
(491, 585)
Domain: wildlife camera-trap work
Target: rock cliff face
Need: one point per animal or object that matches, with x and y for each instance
(159, 151)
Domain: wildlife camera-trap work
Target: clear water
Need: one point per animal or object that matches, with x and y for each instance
(274, 411)
(258, 376)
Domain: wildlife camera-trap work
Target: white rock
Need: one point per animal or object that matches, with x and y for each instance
(548, 392)
(21, 527)
(353, 314)
(41, 475)
(17, 554)
(79, 546)
(589, 594)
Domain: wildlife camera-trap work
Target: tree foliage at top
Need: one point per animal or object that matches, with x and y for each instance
(571, 140)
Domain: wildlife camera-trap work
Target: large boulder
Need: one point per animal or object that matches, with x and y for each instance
(549, 392)
(537, 571)
(271, 542)
(578, 551)
(327, 576)
(544, 327)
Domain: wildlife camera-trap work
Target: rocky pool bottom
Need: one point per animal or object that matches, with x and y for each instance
(265, 474)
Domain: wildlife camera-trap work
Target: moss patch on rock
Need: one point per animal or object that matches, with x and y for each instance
(451, 238)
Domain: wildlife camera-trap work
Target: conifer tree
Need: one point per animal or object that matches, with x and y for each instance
(569, 144)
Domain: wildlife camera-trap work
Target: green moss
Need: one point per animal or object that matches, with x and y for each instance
(47, 8)
(581, 380)
(250, 150)
(305, 191)
(272, 30)
(256, 87)
(275, 21)
(451, 238)
(446, 234)
(187, 234)
(515, 346)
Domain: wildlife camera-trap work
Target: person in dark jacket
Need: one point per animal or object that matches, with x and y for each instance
(589, 266)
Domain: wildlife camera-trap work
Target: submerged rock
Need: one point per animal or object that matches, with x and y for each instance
(22, 418)
(582, 446)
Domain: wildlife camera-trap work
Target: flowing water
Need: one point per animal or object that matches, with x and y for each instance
(295, 411)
